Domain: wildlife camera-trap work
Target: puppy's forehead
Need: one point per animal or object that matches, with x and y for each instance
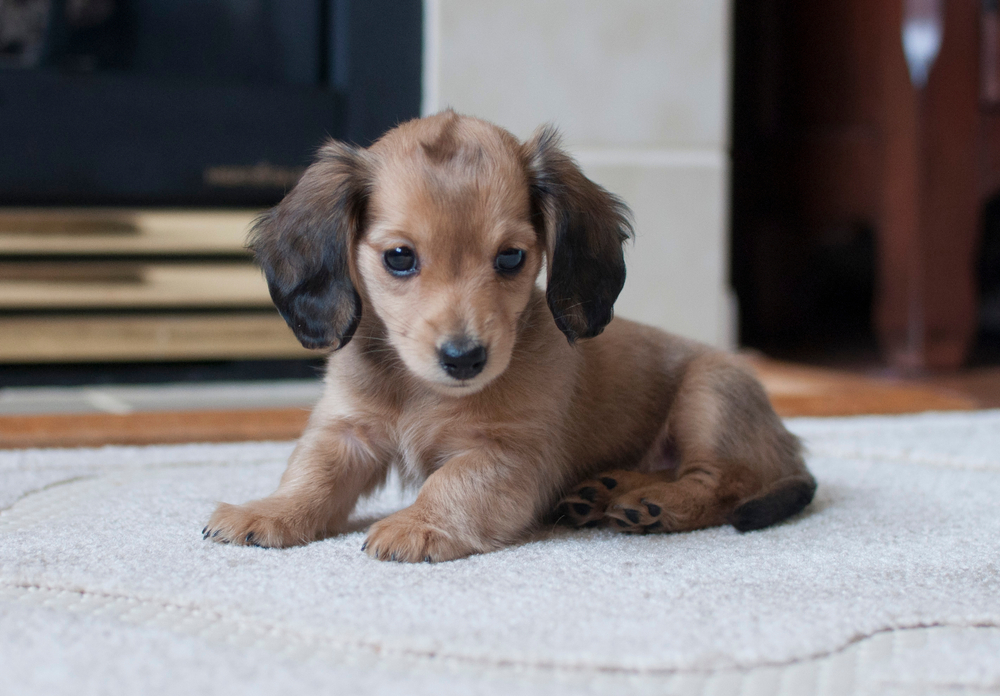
(450, 174)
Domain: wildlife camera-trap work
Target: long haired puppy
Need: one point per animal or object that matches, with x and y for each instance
(416, 261)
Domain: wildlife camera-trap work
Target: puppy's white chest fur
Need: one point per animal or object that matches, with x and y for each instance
(413, 461)
(424, 440)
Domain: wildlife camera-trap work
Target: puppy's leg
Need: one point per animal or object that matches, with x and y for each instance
(736, 462)
(703, 495)
(333, 464)
(478, 501)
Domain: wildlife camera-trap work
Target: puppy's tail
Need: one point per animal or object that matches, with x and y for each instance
(787, 497)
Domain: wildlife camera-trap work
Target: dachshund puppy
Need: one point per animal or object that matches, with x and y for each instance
(416, 261)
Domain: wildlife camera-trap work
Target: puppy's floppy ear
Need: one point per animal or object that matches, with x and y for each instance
(584, 228)
(304, 247)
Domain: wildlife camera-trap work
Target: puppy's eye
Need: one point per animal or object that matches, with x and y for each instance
(400, 261)
(510, 260)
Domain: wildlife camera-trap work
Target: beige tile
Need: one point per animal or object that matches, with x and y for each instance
(632, 73)
(677, 267)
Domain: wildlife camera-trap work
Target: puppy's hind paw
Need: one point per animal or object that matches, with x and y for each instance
(575, 512)
(633, 514)
(584, 505)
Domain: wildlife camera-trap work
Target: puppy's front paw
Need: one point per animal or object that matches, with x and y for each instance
(408, 536)
(258, 523)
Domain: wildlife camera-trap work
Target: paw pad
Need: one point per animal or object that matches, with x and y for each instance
(615, 499)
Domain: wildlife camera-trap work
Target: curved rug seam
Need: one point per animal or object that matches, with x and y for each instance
(306, 639)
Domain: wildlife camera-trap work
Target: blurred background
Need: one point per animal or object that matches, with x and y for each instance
(814, 182)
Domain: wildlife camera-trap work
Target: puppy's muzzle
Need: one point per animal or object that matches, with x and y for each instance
(462, 359)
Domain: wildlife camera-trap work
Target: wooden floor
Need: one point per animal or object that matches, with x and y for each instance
(799, 390)
(150, 427)
(795, 390)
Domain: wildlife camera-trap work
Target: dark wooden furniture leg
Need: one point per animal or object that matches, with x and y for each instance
(925, 312)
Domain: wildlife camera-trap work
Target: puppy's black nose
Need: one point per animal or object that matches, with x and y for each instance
(462, 359)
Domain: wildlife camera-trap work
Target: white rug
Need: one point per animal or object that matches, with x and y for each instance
(889, 583)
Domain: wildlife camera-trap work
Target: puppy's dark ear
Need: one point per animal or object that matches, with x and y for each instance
(304, 247)
(584, 228)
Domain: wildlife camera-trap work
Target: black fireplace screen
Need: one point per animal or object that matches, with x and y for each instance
(193, 102)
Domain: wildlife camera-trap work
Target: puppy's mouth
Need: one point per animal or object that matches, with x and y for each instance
(449, 386)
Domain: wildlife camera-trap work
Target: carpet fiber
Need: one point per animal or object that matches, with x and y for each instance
(888, 583)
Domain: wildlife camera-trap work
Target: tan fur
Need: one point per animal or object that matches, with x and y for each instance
(676, 425)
